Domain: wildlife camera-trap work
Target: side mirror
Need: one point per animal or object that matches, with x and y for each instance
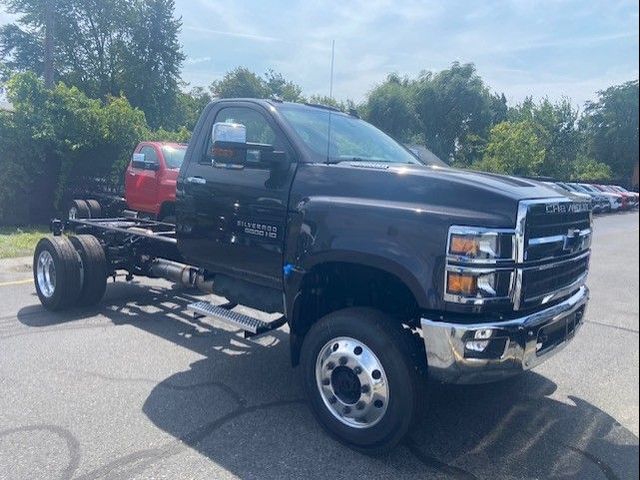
(229, 143)
(137, 161)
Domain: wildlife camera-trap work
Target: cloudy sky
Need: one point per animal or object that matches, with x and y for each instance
(520, 47)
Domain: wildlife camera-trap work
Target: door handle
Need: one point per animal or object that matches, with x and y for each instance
(196, 180)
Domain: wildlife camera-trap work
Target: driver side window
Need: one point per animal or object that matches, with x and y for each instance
(150, 155)
(258, 129)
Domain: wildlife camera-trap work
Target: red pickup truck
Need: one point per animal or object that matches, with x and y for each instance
(149, 185)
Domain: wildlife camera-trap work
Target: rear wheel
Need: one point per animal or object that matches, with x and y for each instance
(56, 273)
(95, 210)
(94, 269)
(362, 377)
(78, 209)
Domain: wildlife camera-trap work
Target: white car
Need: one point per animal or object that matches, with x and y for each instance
(615, 199)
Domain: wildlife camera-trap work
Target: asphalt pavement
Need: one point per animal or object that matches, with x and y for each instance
(137, 388)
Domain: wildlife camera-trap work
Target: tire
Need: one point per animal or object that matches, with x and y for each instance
(94, 269)
(167, 213)
(78, 209)
(95, 210)
(56, 273)
(343, 333)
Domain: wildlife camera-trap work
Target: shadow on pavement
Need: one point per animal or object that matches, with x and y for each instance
(242, 407)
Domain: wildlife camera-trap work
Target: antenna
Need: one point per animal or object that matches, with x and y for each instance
(333, 51)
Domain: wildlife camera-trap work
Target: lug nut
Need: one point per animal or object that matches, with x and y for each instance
(331, 366)
(376, 374)
(326, 381)
(365, 389)
(347, 410)
(357, 370)
(360, 405)
(332, 399)
(378, 403)
(343, 360)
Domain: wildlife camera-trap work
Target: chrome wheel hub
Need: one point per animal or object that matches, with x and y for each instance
(352, 383)
(46, 274)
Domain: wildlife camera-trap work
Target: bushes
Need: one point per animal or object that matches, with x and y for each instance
(55, 137)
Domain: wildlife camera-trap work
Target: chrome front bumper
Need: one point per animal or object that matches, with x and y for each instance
(454, 350)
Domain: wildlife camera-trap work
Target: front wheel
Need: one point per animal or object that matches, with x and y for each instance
(363, 378)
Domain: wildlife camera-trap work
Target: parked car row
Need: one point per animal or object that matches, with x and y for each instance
(604, 198)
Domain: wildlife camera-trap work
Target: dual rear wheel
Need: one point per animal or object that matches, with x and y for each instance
(84, 209)
(69, 271)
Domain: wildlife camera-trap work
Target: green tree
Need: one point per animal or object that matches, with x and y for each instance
(611, 128)
(588, 170)
(239, 83)
(279, 87)
(514, 148)
(103, 47)
(243, 83)
(78, 136)
(389, 106)
(557, 128)
(153, 61)
(452, 105)
(189, 106)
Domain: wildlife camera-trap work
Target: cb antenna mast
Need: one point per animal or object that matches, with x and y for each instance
(333, 51)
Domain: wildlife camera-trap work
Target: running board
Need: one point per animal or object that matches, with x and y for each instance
(250, 325)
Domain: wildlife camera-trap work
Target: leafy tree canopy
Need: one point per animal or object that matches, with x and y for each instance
(103, 47)
(611, 127)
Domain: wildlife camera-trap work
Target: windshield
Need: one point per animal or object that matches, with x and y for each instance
(174, 155)
(349, 139)
(580, 188)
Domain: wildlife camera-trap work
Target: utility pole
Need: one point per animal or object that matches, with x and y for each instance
(49, 27)
(333, 51)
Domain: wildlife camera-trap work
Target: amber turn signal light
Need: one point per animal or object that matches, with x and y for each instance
(462, 284)
(462, 245)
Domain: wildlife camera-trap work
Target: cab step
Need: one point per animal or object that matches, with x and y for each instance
(250, 325)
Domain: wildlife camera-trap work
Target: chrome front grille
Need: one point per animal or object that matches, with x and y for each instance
(553, 238)
(547, 282)
(556, 230)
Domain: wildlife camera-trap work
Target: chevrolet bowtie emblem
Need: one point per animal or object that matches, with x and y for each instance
(573, 240)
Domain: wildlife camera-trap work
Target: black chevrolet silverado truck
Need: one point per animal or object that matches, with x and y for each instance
(391, 275)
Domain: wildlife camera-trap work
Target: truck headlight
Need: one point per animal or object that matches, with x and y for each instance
(467, 243)
(480, 264)
(471, 285)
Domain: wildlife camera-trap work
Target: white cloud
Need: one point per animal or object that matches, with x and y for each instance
(251, 36)
(196, 60)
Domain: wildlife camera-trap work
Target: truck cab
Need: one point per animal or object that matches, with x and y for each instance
(150, 178)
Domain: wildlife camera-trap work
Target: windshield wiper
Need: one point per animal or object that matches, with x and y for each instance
(354, 159)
